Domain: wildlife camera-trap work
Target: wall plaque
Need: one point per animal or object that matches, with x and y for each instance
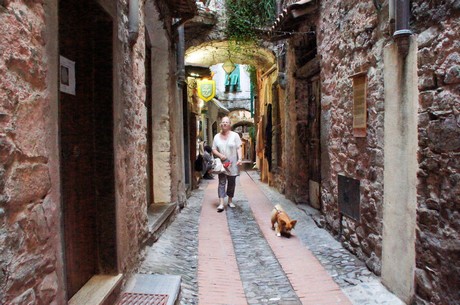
(359, 104)
(66, 75)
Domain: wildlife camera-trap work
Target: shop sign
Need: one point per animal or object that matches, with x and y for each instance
(206, 89)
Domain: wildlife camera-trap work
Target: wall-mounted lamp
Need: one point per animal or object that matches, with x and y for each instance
(228, 66)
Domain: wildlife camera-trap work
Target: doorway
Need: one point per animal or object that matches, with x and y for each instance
(314, 141)
(148, 105)
(86, 144)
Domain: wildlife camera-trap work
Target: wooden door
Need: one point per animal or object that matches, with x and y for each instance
(86, 136)
(314, 141)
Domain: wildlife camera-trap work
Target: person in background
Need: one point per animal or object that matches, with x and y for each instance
(207, 162)
(227, 147)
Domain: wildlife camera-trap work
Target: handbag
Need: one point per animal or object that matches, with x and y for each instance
(217, 166)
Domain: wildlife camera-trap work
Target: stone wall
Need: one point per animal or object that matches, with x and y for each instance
(31, 261)
(350, 37)
(438, 244)
(211, 19)
(130, 141)
(28, 211)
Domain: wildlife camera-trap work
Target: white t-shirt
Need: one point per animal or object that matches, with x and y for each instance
(229, 148)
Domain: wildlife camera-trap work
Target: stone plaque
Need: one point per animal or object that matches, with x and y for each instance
(349, 197)
(359, 105)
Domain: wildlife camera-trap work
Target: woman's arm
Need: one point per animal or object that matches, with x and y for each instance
(218, 154)
(240, 155)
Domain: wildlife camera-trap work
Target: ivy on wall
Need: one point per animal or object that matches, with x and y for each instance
(246, 18)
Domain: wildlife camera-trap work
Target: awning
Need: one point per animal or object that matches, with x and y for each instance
(290, 18)
(220, 106)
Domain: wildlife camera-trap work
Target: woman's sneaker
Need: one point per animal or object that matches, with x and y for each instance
(232, 205)
(220, 208)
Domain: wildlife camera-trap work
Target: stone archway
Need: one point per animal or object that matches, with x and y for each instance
(210, 54)
(243, 124)
(218, 51)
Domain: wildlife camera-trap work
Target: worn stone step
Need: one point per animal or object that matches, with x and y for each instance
(155, 284)
(160, 215)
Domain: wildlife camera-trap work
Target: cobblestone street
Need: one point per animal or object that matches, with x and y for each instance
(268, 267)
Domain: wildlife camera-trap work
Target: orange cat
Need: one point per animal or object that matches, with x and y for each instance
(284, 223)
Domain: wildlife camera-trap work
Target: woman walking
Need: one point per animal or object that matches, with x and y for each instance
(227, 147)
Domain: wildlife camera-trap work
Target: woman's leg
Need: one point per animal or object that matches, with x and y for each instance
(221, 191)
(231, 190)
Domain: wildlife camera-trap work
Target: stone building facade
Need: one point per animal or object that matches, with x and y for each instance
(74, 173)
(438, 185)
(405, 168)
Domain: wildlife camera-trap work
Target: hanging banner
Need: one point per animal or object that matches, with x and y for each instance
(206, 89)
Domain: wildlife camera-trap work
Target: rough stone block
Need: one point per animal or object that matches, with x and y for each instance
(444, 135)
(48, 288)
(26, 298)
(7, 150)
(31, 128)
(425, 38)
(27, 183)
(452, 75)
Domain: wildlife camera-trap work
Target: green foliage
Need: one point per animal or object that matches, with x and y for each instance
(252, 132)
(247, 17)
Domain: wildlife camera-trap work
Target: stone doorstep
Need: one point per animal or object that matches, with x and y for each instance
(159, 217)
(99, 290)
(156, 284)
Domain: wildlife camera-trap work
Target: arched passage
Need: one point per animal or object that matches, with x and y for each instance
(214, 52)
(243, 124)
(239, 105)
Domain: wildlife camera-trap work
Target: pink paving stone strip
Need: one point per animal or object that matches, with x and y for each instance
(219, 281)
(309, 279)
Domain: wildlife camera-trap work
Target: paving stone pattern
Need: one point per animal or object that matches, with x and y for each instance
(176, 251)
(263, 279)
(351, 274)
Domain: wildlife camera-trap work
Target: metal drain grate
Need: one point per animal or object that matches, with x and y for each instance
(129, 298)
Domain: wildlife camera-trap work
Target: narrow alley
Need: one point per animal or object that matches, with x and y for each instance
(114, 114)
(235, 258)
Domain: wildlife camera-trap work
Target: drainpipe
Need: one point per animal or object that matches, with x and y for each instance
(252, 100)
(133, 23)
(181, 54)
(391, 13)
(402, 33)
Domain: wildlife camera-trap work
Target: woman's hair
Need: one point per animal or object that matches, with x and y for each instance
(208, 148)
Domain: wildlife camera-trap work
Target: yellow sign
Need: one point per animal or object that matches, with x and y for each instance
(206, 89)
